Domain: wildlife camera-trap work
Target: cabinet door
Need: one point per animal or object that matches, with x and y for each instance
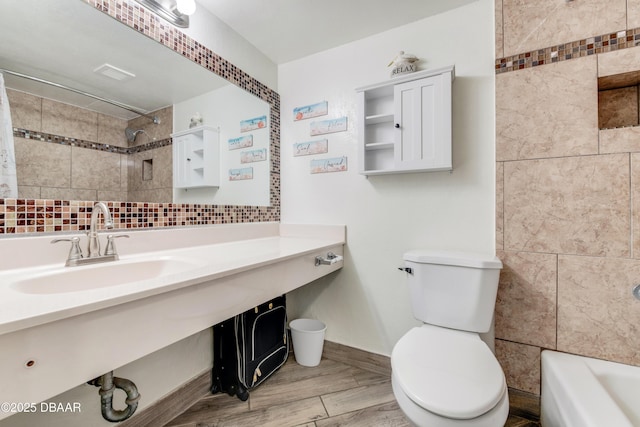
(181, 169)
(423, 124)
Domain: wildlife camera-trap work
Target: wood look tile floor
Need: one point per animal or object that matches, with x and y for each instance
(329, 395)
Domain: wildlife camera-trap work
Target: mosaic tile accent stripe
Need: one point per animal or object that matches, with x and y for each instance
(563, 52)
(91, 145)
(19, 216)
(41, 216)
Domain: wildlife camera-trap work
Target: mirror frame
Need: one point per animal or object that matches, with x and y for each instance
(19, 216)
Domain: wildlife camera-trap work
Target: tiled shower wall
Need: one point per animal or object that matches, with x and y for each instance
(70, 153)
(568, 193)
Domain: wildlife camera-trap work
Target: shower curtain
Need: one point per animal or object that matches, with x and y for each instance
(8, 180)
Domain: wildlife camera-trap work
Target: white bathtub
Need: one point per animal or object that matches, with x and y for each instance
(583, 392)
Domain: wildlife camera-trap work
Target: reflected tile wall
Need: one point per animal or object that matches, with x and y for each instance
(26, 110)
(68, 120)
(41, 164)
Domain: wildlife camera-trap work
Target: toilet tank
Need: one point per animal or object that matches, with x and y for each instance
(453, 289)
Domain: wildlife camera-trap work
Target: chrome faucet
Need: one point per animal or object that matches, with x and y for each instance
(93, 249)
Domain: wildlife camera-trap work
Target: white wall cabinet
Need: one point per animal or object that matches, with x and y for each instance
(405, 123)
(196, 158)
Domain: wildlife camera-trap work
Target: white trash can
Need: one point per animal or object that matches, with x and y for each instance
(308, 339)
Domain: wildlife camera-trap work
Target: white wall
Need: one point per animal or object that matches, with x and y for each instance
(366, 305)
(211, 32)
(224, 108)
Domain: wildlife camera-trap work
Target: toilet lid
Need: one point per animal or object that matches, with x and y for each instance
(450, 373)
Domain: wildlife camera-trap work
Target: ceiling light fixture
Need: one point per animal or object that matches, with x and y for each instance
(175, 12)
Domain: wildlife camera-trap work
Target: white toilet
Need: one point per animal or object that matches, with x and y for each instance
(443, 374)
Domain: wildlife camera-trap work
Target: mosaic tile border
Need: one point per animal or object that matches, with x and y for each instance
(91, 145)
(577, 49)
(19, 216)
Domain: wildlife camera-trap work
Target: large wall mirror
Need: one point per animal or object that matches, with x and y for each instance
(72, 147)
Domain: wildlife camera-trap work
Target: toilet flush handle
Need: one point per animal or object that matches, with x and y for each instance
(406, 269)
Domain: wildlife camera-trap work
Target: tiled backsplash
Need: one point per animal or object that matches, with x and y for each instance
(38, 216)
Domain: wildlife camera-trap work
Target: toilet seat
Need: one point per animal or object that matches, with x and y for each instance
(448, 372)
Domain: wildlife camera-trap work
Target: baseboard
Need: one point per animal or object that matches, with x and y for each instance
(175, 403)
(359, 358)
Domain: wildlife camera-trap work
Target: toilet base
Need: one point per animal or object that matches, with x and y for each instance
(420, 417)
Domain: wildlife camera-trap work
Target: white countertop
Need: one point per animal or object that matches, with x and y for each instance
(217, 251)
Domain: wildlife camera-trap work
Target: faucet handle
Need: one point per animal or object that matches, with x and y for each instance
(111, 247)
(75, 252)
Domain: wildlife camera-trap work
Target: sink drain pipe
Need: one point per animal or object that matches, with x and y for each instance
(108, 383)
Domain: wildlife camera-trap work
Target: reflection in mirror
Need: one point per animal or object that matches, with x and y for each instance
(70, 147)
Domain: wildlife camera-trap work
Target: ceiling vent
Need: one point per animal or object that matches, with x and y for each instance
(114, 72)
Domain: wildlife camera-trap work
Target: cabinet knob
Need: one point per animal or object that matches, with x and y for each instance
(188, 159)
(397, 125)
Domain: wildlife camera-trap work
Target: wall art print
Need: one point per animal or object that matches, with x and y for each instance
(241, 142)
(309, 111)
(253, 124)
(252, 156)
(308, 148)
(240, 174)
(328, 126)
(336, 164)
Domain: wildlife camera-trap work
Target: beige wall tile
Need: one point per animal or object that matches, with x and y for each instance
(111, 131)
(531, 25)
(93, 169)
(574, 205)
(622, 140)
(162, 159)
(618, 107)
(68, 194)
(526, 303)
(521, 365)
(633, 13)
(26, 110)
(68, 120)
(42, 164)
(619, 61)
(28, 192)
(116, 196)
(499, 205)
(154, 131)
(547, 111)
(597, 314)
(635, 197)
(499, 29)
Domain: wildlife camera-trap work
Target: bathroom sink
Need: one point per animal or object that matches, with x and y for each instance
(78, 279)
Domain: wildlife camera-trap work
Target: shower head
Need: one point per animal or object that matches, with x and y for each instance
(132, 134)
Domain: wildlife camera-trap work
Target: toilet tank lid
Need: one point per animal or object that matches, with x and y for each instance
(462, 259)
